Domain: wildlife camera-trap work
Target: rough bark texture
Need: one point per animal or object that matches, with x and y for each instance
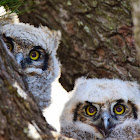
(16, 112)
(136, 21)
(97, 38)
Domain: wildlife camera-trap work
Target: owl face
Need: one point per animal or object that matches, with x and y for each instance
(33, 48)
(98, 106)
(104, 117)
(34, 60)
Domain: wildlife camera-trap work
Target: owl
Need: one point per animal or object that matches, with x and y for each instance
(102, 109)
(35, 51)
(130, 130)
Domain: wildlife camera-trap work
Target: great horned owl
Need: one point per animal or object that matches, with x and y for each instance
(35, 50)
(98, 108)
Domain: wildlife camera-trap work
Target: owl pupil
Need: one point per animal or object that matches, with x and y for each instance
(119, 109)
(8, 46)
(33, 54)
(91, 109)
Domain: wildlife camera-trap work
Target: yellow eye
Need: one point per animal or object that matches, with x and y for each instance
(9, 46)
(119, 109)
(34, 55)
(91, 110)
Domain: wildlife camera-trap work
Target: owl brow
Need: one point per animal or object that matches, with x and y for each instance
(120, 101)
(134, 110)
(91, 103)
(38, 47)
(9, 40)
(75, 111)
(88, 102)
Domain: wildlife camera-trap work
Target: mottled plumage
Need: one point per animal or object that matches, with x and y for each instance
(129, 130)
(98, 107)
(35, 50)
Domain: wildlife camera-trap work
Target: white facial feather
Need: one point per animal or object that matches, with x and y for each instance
(42, 36)
(102, 90)
(99, 91)
(129, 130)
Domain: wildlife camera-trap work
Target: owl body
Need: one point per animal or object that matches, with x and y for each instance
(129, 130)
(96, 107)
(35, 51)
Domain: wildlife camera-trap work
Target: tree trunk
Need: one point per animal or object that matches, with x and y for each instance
(97, 39)
(136, 21)
(20, 117)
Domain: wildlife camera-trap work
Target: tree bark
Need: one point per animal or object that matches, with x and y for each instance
(20, 117)
(136, 21)
(97, 41)
(97, 37)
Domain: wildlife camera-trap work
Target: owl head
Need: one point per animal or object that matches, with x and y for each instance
(34, 48)
(35, 51)
(99, 105)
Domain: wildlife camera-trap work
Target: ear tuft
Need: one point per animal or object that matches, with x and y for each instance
(57, 38)
(58, 35)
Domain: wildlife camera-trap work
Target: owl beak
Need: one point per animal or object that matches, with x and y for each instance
(19, 58)
(106, 122)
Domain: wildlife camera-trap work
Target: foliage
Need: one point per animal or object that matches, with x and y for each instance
(15, 6)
